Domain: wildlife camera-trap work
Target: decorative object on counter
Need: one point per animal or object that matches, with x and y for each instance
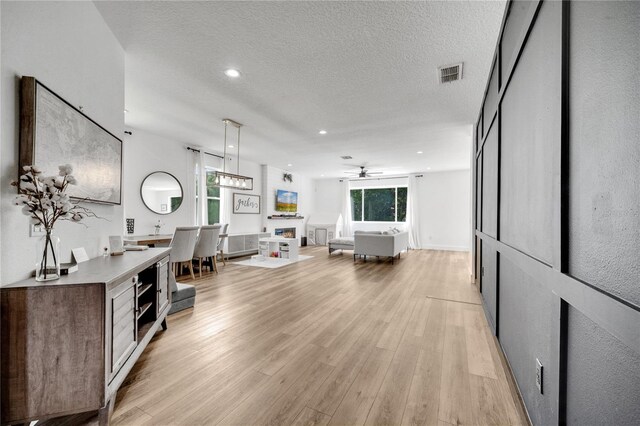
(130, 225)
(116, 245)
(287, 177)
(246, 203)
(105, 252)
(53, 132)
(157, 227)
(80, 254)
(230, 180)
(45, 201)
(68, 268)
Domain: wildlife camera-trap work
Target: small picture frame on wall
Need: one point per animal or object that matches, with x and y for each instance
(246, 203)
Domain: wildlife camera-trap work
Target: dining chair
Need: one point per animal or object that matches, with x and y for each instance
(207, 246)
(223, 236)
(182, 245)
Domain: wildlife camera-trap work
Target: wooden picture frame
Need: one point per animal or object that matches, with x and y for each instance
(53, 132)
(246, 203)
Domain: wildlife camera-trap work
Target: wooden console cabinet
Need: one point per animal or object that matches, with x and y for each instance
(68, 345)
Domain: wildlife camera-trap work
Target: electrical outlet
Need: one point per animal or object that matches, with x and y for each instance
(36, 230)
(539, 376)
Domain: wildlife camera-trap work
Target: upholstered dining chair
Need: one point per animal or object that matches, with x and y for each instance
(207, 246)
(223, 236)
(182, 245)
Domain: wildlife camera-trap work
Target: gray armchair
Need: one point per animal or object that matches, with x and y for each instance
(207, 246)
(182, 245)
(223, 237)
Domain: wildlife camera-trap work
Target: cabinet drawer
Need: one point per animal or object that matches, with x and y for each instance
(163, 292)
(122, 331)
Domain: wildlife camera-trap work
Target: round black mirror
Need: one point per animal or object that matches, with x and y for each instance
(161, 192)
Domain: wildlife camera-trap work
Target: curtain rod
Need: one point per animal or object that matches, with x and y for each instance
(207, 153)
(375, 178)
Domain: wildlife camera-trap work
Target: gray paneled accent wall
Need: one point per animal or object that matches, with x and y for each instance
(604, 226)
(489, 280)
(558, 207)
(490, 184)
(530, 132)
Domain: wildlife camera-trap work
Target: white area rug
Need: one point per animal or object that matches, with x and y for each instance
(271, 262)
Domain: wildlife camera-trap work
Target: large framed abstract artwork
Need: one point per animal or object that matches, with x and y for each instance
(53, 132)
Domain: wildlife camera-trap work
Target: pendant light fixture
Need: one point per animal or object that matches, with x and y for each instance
(230, 180)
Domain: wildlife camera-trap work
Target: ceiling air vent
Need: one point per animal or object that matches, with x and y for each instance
(346, 157)
(449, 73)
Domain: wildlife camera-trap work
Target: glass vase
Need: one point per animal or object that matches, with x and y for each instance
(48, 258)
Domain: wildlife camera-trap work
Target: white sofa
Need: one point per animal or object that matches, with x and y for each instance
(376, 243)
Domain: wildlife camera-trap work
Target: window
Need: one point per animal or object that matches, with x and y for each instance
(379, 204)
(213, 198)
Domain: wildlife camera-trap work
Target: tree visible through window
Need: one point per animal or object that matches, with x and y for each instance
(213, 198)
(379, 204)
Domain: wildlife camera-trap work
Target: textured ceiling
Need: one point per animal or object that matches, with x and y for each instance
(364, 71)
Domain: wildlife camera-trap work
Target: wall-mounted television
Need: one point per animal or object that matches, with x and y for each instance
(286, 201)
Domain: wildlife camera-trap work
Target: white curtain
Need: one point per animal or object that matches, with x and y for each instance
(225, 205)
(201, 182)
(192, 185)
(413, 216)
(346, 209)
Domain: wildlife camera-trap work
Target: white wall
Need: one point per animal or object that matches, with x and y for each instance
(145, 153)
(444, 202)
(328, 196)
(243, 223)
(69, 48)
(272, 181)
(445, 199)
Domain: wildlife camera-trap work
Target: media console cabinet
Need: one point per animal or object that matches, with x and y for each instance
(67, 345)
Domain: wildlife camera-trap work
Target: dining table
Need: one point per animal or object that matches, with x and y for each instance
(152, 240)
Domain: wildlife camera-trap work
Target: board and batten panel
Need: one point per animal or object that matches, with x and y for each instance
(490, 184)
(530, 148)
(514, 29)
(529, 318)
(603, 376)
(489, 283)
(479, 192)
(604, 223)
(491, 100)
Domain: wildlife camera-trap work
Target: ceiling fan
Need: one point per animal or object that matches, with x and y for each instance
(363, 173)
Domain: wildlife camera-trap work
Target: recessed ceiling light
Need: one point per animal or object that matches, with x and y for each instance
(230, 146)
(321, 175)
(428, 168)
(233, 73)
(322, 132)
(419, 152)
(289, 165)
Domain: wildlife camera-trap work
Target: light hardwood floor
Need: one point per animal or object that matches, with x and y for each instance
(326, 341)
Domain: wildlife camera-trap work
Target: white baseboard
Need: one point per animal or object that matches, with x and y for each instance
(448, 248)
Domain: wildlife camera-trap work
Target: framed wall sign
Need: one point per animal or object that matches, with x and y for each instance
(246, 203)
(53, 132)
